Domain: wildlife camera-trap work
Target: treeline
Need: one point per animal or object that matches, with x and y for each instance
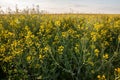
(34, 10)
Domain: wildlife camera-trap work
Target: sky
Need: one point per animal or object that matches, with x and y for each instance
(66, 6)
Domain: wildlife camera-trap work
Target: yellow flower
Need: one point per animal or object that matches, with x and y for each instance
(28, 58)
(60, 49)
(2, 49)
(101, 77)
(97, 26)
(8, 58)
(17, 21)
(96, 51)
(103, 32)
(93, 33)
(41, 56)
(71, 31)
(46, 48)
(98, 76)
(57, 23)
(117, 70)
(105, 56)
(76, 48)
(26, 28)
(42, 28)
(93, 36)
(64, 34)
(106, 43)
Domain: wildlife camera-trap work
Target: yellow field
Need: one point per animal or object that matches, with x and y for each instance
(60, 47)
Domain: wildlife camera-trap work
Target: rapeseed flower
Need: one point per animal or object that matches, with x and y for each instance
(96, 51)
(60, 49)
(117, 70)
(106, 56)
(57, 23)
(101, 77)
(28, 58)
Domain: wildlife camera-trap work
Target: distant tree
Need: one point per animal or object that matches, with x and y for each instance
(8, 10)
(16, 9)
(1, 11)
(26, 10)
(37, 9)
(33, 10)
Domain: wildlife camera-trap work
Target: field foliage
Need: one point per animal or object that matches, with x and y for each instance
(60, 47)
